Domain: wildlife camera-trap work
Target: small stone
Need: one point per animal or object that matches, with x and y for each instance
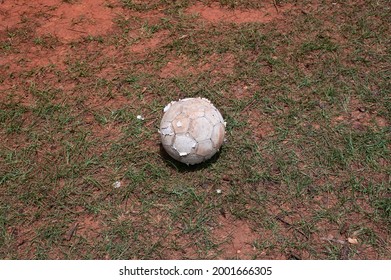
(226, 178)
(352, 240)
(362, 109)
(322, 104)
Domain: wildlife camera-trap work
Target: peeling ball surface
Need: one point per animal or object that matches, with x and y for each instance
(192, 130)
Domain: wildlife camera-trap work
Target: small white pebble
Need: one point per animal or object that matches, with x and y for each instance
(352, 240)
(139, 117)
(218, 191)
(117, 184)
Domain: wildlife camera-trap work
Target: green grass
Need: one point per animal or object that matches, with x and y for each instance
(319, 81)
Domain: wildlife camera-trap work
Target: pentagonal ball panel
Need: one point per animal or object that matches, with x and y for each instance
(181, 124)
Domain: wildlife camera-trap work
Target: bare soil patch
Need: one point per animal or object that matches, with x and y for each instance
(217, 64)
(360, 117)
(88, 227)
(46, 41)
(150, 44)
(236, 237)
(260, 127)
(215, 13)
(66, 21)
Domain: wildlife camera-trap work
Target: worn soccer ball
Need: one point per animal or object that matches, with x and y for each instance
(192, 130)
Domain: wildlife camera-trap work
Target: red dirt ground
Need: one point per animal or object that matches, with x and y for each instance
(62, 23)
(215, 13)
(66, 21)
(181, 66)
(360, 117)
(237, 239)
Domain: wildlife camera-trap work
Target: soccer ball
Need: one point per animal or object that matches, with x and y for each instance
(192, 130)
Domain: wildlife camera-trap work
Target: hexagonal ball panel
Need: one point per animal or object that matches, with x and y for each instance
(206, 149)
(167, 133)
(168, 140)
(213, 116)
(195, 107)
(201, 129)
(172, 110)
(172, 152)
(184, 144)
(166, 128)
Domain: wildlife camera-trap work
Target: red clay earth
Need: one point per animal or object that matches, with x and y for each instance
(181, 66)
(240, 238)
(215, 13)
(66, 21)
(62, 23)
